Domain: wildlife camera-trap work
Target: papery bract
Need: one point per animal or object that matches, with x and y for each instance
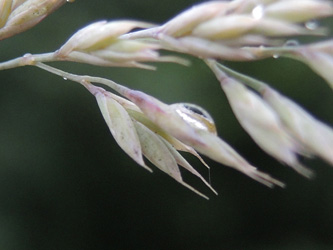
(316, 136)
(5, 9)
(121, 127)
(205, 48)
(225, 27)
(176, 144)
(321, 63)
(183, 23)
(182, 162)
(99, 35)
(27, 15)
(202, 140)
(260, 122)
(17, 3)
(158, 153)
(299, 11)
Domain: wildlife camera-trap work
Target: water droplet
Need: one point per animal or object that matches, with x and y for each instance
(65, 78)
(276, 56)
(291, 43)
(70, 1)
(258, 12)
(195, 116)
(312, 25)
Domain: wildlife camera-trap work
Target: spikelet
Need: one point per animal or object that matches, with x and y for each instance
(18, 16)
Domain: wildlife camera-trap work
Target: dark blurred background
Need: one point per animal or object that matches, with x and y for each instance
(65, 184)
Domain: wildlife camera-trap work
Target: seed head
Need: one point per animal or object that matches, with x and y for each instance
(315, 136)
(190, 129)
(260, 121)
(299, 11)
(139, 137)
(24, 14)
(100, 44)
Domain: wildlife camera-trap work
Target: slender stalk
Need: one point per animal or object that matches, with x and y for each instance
(28, 59)
(249, 81)
(84, 79)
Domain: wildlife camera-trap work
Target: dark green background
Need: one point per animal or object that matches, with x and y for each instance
(65, 184)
